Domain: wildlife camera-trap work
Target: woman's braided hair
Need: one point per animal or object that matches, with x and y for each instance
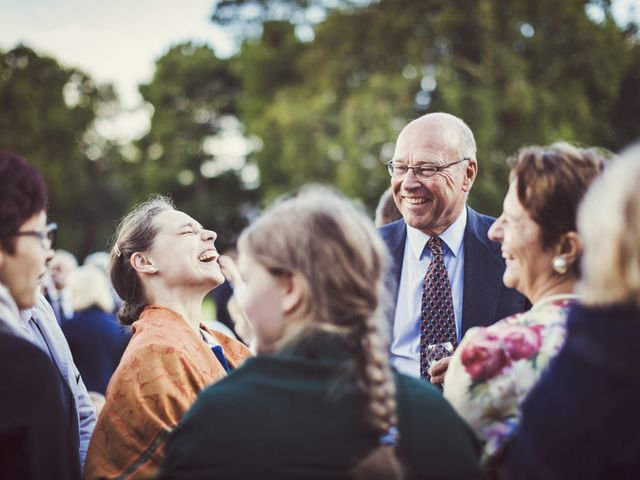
(336, 251)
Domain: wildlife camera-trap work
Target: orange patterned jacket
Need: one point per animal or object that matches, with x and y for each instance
(161, 372)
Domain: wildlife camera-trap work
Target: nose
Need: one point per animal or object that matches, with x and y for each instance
(50, 253)
(496, 230)
(209, 235)
(410, 179)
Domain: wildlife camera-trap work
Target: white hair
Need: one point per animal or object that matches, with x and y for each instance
(89, 287)
(609, 223)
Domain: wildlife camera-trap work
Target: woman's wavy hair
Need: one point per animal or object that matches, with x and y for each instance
(336, 251)
(135, 233)
(551, 182)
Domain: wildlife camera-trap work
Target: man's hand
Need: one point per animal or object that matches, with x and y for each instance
(439, 369)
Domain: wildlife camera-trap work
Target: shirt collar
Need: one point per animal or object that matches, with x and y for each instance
(452, 237)
(26, 314)
(208, 338)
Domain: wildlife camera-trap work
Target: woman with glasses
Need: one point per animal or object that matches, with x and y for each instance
(37, 437)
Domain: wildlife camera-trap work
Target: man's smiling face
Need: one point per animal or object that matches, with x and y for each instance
(431, 204)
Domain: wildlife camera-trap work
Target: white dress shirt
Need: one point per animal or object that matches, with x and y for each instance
(405, 345)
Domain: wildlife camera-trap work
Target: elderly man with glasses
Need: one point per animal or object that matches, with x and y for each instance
(447, 273)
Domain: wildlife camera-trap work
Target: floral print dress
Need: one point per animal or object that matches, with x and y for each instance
(494, 369)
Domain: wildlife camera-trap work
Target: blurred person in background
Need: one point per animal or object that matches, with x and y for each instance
(96, 339)
(495, 368)
(320, 400)
(163, 264)
(55, 284)
(241, 323)
(386, 211)
(101, 261)
(581, 422)
(38, 434)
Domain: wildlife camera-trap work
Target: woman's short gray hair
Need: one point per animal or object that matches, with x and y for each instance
(609, 223)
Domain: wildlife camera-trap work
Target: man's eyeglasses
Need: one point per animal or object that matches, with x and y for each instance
(422, 171)
(47, 236)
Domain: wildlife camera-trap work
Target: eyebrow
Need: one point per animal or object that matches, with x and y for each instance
(190, 225)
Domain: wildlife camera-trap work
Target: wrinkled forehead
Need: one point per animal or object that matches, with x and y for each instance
(426, 142)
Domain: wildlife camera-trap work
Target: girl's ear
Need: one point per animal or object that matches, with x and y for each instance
(142, 263)
(292, 292)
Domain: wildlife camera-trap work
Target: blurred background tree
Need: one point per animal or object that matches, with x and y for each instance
(194, 96)
(517, 72)
(48, 115)
(317, 92)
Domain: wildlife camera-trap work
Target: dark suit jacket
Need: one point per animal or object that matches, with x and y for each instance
(35, 440)
(295, 415)
(581, 421)
(485, 299)
(97, 343)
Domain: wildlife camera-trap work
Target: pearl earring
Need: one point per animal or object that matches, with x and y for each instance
(559, 264)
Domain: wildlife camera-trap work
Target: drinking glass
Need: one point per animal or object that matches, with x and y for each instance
(438, 351)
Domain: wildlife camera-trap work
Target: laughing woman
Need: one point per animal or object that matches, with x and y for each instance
(163, 263)
(495, 368)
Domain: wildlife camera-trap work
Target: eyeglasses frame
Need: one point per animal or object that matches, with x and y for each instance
(436, 168)
(48, 234)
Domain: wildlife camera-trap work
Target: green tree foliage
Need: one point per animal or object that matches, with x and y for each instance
(327, 109)
(47, 112)
(517, 72)
(192, 94)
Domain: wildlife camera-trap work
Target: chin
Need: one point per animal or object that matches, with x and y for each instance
(217, 280)
(509, 280)
(25, 302)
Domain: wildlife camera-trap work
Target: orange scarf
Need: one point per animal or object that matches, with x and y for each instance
(161, 372)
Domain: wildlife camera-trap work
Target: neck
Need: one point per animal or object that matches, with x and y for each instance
(186, 303)
(557, 285)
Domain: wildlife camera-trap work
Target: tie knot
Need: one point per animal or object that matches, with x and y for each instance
(435, 245)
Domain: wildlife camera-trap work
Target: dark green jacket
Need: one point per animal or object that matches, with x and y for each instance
(296, 415)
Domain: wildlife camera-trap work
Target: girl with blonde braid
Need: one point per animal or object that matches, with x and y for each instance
(319, 400)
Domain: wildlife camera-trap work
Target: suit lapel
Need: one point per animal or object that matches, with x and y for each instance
(394, 236)
(483, 268)
(53, 340)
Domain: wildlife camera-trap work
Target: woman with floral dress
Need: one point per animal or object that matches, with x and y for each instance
(495, 368)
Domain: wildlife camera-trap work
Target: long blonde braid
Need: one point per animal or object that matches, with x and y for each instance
(339, 255)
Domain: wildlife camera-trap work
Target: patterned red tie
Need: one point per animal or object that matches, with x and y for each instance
(437, 323)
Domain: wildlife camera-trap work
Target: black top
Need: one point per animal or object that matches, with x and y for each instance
(582, 421)
(97, 343)
(35, 440)
(300, 415)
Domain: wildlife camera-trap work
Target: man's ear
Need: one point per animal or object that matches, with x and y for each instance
(470, 173)
(292, 292)
(142, 263)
